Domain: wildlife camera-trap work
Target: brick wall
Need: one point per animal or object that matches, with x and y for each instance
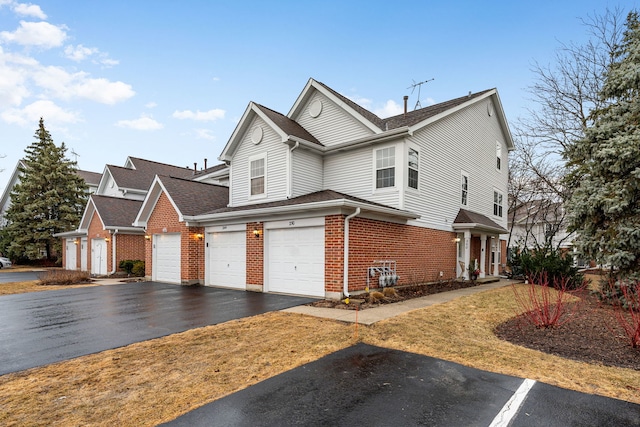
(421, 253)
(129, 246)
(164, 219)
(255, 254)
(334, 252)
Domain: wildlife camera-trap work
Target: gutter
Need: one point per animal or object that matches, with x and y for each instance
(345, 269)
(290, 192)
(113, 251)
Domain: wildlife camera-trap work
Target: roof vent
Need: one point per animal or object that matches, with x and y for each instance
(406, 98)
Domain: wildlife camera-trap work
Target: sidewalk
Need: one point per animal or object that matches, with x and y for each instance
(386, 311)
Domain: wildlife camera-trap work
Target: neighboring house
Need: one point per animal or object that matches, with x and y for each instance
(106, 234)
(318, 196)
(538, 222)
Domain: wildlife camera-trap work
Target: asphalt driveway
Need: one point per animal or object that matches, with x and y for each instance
(40, 328)
(367, 385)
(7, 276)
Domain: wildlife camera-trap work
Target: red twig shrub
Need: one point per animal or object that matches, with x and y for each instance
(64, 277)
(547, 305)
(624, 296)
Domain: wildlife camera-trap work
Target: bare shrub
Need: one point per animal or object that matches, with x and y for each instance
(376, 296)
(624, 296)
(390, 292)
(547, 305)
(64, 277)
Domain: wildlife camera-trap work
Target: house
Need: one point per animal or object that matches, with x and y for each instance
(106, 234)
(325, 196)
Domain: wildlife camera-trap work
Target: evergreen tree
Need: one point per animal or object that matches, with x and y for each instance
(605, 206)
(49, 198)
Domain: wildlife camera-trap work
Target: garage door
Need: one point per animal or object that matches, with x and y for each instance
(296, 260)
(227, 253)
(166, 258)
(71, 251)
(99, 257)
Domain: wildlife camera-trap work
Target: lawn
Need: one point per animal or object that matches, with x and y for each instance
(158, 380)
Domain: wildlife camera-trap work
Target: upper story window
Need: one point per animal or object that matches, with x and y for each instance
(498, 156)
(413, 168)
(385, 167)
(465, 189)
(257, 174)
(497, 203)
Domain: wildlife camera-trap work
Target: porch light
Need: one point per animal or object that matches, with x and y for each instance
(75, 241)
(457, 240)
(147, 237)
(257, 233)
(199, 236)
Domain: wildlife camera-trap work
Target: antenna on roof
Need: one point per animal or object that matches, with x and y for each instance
(74, 154)
(413, 88)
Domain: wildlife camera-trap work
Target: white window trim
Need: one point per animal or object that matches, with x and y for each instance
(499, 156)
(463, 175)
(252, 159)
(395, 166)
(406, 162)
(501, 206)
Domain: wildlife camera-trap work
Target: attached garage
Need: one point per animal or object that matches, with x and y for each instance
(226, 259)
(71, 251)
(166, 258)
(99, 257)
(295, 257)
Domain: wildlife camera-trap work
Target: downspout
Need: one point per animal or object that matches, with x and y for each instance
(345, 279)
(113, 252)
(296, 145)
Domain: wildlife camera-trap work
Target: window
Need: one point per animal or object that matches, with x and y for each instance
(497, 203)
(498, 155)
(385, 167)
(413, 168)
(257, 176)
(465, 189)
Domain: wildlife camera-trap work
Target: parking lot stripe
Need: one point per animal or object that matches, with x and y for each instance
(510, 409)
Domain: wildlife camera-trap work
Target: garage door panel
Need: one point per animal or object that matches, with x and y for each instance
(296, 260)
(227, 260)
(166, 259)
(71, 255)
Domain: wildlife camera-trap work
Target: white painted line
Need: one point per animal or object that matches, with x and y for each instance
(510, 409)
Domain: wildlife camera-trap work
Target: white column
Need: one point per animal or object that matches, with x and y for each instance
(467, 254)
(496, 257)
(483, 253)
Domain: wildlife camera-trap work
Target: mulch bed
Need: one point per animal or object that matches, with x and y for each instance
(403, 293)
(593, 336)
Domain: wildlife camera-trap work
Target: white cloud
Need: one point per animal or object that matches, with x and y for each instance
(363, 102)
(203, 116)
(143, 123)
(43, 108)
(33, 10)
(216, 79)
(61, 84)
(204, 134)
(80, 53)
(390, 108)
(40, 34)
(151, 105)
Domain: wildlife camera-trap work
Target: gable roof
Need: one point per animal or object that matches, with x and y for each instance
(473, 220)
(189, 198)
(91, 178)
(116, 212)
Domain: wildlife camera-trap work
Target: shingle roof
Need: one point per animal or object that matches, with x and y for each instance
(193, 197)
(318, 196)
(468, 217)
(91, 178)
(145, 171)
(290, 127)
(361, 110)
(210, 169)
(116, 211)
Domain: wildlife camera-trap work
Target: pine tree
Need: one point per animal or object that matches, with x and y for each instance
(605, 206)
(49, 198)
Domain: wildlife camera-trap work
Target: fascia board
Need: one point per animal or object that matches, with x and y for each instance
(229, 148)
(126, 230)
(103, 181)
(15, 176)
(502, 118)
(478, 227)
(283, 136)
(261, 212)
(148, 203)
(86, 215)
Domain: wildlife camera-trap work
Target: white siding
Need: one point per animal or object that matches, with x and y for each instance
(110, 188)
(276, 166)
(333, 125)
(306, 171)
(352, 172)
(465, 141)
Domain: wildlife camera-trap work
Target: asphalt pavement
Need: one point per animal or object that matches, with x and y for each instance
(7, 276)
(40, 328)
(367, 385)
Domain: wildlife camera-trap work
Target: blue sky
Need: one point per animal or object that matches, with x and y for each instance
(168, 81)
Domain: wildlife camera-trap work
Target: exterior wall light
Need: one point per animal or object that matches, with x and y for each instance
(257, 233)
(147, 237)
(199, 236)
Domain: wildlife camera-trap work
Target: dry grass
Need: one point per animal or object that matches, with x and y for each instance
(158, 380)
(34, 286)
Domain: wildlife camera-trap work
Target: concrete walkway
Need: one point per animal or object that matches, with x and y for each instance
(387, 311)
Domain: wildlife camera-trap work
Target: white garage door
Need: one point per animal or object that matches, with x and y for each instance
(71, 258)
(98, 257)
(227, 254)
(296, 260)
(166, 258)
